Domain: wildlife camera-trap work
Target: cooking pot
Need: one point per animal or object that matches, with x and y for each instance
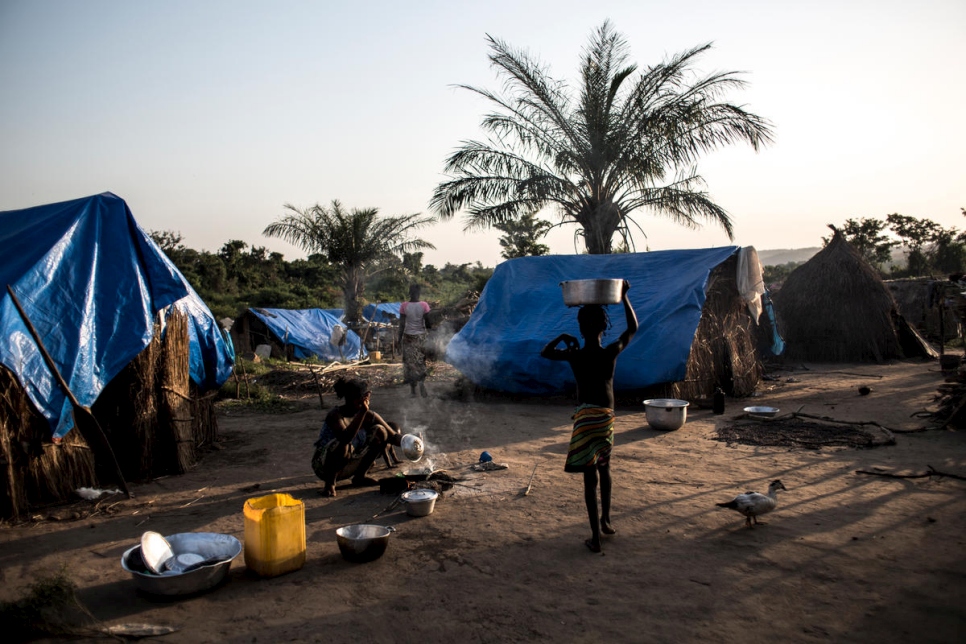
(412, 447)
(420, 503)
(666, 414)
(579, 292)
(363, 542)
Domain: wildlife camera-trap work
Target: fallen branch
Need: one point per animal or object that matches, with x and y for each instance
(932, 472)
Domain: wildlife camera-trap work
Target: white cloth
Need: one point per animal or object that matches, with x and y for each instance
(751, 280)
(415, 314)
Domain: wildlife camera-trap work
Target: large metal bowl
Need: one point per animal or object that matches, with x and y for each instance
(363, 542)
(218, 550)
(580, 292)
(666, 414)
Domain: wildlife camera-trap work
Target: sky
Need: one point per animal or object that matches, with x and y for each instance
(207, 117)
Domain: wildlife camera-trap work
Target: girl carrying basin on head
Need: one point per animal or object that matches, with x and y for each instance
(351, 439)
(593, 435)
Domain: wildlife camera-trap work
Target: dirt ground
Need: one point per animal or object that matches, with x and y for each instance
(845, 557)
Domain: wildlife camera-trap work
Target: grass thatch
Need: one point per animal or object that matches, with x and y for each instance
(835, 308)
(153, 418)
(725, 348)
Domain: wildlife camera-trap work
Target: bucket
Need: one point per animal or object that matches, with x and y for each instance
(274, 534)
(375, 355)
(949, 363)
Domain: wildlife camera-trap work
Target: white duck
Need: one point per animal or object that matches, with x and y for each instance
(754, 504)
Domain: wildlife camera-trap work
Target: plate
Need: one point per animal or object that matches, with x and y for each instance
(764, 412)
(156, 551)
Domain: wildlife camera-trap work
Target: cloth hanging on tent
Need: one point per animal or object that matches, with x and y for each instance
(751, 280)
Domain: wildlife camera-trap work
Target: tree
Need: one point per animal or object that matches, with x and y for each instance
(867, 238)
(916, 233)
(521, 235)
(358, 241)
(627, 142)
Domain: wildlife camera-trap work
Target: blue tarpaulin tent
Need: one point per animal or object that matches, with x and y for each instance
(308, 331)
(521, 309)
(383, 312)
(92, 283)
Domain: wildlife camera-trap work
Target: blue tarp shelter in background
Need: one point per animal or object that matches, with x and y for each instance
(308, 331)
(521, 309)
(337, 313)
(383, 312)
(92, 283)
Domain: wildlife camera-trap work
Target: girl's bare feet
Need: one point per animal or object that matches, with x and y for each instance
(328, 490)
(607, 528)
(592, 546)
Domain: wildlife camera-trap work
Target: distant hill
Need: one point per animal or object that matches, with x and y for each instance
(784, 256)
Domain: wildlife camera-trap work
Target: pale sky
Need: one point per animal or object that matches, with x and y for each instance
(207, 117)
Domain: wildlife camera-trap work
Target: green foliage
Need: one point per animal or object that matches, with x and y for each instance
(778, 273)
(359, 242)
(521, 236)
(48, 607)
(628, 141)
(867, 237)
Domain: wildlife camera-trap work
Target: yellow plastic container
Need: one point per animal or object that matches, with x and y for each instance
(274, 534)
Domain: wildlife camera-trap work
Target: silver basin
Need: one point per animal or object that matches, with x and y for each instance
(218, 551)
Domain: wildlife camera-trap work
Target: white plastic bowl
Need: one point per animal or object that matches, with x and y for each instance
(666, 414)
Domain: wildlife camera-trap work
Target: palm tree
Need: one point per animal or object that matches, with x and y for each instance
(358, 241)
(602, 157)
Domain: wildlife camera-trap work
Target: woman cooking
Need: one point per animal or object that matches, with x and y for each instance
(351, 439)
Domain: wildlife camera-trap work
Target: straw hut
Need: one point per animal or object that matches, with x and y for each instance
(835, 308)
(696, 331)
(108, 350)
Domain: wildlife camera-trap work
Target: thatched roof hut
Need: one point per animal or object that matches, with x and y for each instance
(105, 344)
(695, 329)
(835, 308)
(152, 413)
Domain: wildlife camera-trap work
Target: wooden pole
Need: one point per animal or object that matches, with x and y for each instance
(83, 417)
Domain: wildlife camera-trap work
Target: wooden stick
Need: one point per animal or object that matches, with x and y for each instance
(318, 386)
(83, 417)
(526, 492)
(932, 472)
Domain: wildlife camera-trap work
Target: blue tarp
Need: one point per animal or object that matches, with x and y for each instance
(308, 331)
(338, 313)
(92, 281)
(521, 309)
(383, 312)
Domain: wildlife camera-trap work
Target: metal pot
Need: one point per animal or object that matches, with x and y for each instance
(666, 414)
(420, 503)
(580, 292)
(412, 447)
(363, 542)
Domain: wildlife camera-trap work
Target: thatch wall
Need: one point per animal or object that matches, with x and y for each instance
(725, 348)
(154, 419)
(918, 301)
(835, 308)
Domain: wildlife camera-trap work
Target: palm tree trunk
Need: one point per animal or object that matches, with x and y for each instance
(599, 226)
(352, 290)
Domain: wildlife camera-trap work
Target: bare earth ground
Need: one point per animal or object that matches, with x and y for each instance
(845, 558)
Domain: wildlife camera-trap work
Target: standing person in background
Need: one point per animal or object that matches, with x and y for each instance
(412, 334)
(593, 434)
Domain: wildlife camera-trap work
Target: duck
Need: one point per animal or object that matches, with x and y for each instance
(754, 504)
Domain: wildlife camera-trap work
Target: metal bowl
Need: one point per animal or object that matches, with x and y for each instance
(363, 542)
(762, 412)
(420, 503)
(217, 550)
(412, 447)
(580, 292)
(666, 414)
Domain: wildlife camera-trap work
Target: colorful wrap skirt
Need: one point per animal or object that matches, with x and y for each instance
(414, 358)
(592, 439)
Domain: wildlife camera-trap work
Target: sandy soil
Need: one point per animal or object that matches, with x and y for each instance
(846, 557)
